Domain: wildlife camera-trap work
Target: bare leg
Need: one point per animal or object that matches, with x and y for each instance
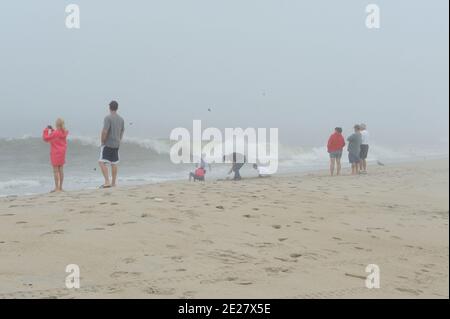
(56, 177)
(105, 173)
(364, 165)
(338, 165)
(61, 177)
(114, 174)
(332, 162)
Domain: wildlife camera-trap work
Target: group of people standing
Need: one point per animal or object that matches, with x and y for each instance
(358, 149)
(114, 128)
(111, 136)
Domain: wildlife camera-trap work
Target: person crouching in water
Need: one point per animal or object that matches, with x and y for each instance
(198, 175)
(58, 146)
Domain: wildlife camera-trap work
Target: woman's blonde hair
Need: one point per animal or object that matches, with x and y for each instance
(60, 124)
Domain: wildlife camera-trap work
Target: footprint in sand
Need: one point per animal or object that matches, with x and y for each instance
(88, 211)
(285, 259)
(276, 270)
(159, 291)
(196, 227)
(178, 259)
(96, 228)
(129, 260)
(410, 291)
(245, 283)
(114, 290)
(54, 232)
(276, 226)
(188, 294)
(121, 274)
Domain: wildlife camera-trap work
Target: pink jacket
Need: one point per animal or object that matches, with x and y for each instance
(58, 145)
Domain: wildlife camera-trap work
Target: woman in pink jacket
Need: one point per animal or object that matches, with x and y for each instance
(58, 146)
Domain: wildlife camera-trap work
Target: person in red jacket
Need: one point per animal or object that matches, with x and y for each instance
(335, 146)
(198, 175)
(58, 146)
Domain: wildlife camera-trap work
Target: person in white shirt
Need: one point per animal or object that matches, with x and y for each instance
(262, 171)
(364, 149)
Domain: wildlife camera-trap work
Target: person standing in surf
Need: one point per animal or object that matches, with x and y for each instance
(364, 149)
(354, 149)
(57, 138)
(335, 147)
(111, 136)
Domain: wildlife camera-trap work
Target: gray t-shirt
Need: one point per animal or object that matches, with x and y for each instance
(354, 143)
(115, 126)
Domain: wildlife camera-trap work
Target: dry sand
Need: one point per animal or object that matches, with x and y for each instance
(304, 236)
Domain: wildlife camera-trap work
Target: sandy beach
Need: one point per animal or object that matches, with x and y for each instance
(304, 236)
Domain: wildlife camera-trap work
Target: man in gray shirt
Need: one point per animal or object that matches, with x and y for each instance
(112, 134)
(354, 149)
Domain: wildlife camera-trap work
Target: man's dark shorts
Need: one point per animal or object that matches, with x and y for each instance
(364, 151)
(109, 155)
(353, 158)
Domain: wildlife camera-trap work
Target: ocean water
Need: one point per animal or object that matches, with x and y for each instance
(25, 167)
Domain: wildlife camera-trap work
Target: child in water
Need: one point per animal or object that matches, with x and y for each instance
(58, 146)
(198, 175)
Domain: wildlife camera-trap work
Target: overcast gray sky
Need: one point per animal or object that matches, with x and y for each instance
(301, 66)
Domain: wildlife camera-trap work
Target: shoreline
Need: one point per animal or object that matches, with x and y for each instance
(345, 168)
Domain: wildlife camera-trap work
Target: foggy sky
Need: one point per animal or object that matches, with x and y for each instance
(302, 66)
